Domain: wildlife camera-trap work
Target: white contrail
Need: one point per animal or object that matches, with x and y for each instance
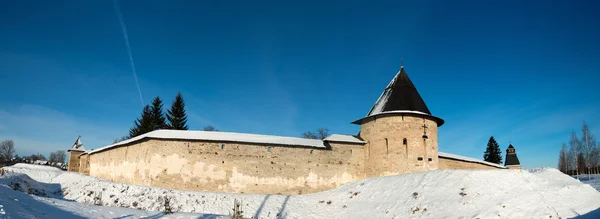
(124, 29)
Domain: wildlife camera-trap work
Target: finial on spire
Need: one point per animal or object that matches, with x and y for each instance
(402, 63)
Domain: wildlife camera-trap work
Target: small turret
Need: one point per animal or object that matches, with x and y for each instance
(74, 152)
(512, 161)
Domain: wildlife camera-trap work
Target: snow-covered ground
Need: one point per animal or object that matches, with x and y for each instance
(592, 180)
(536, 193)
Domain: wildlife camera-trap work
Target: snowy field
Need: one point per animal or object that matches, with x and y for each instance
(592, 180)
(536, 193)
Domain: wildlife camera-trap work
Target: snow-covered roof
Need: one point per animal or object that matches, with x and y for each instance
(220, 136)
(463, 158)
(77, 146)
(344, 138)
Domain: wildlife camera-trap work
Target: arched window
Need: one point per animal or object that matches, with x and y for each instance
(404, 141)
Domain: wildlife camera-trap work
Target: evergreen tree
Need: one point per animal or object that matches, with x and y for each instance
(143, 124)
(176, 115)
(492, 153)
(158, 118)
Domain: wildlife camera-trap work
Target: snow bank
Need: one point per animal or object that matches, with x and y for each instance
(542, 193)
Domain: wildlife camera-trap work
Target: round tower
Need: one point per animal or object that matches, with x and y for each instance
(401, 133)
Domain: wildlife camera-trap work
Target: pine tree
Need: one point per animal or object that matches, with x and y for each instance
(562, 159)
(176, 115)
(158, 118)
(143, 124)
(493, 153)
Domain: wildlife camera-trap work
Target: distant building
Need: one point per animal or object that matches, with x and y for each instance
(41, 162)
(512, 161)
(398, 135)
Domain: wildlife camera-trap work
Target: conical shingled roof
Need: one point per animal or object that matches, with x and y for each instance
(400, 95)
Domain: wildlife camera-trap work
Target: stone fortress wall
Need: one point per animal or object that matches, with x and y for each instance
(399, 135)
(229, 166)
(453, 164)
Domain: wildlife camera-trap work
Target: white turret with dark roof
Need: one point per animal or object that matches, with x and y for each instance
(77, 146)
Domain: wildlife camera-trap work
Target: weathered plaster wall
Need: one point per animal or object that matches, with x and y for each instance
(385, 151)
(84, 164)
(230, 167)
(446, 163)
(515, 167)
(74, 161)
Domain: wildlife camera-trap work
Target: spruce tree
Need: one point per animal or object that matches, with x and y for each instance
(143, 124)
(158, 118)
(492, 153)
(176, 115)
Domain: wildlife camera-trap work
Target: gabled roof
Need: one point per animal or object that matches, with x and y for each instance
(400, 97)
(77, 146)
(221, 137)
(344, 139)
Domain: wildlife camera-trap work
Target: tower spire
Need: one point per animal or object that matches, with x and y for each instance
(401, 63)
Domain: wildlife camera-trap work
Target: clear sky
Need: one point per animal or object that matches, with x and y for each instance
(524, 72)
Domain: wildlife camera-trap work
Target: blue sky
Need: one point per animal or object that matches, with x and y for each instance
(524, 72)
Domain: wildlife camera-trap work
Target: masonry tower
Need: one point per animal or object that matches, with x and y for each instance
(76, 150)
(400, 131)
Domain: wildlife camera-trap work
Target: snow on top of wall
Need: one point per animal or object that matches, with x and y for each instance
(344, 138)
(221, 136)
(463, 158)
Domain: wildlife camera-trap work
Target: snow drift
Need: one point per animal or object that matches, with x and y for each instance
(538, 193)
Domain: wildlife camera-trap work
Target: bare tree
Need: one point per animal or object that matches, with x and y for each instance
(210, 128)
(61, 156)
(52, 158)
(574, 154)
(588, 142)
(562, 160)
(310, 135)
(595, 159)
(321, 133)
(7, 149)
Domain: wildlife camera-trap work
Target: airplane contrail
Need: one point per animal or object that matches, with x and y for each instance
(124, 29)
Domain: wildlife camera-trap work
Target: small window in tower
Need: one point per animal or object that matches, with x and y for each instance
(429, 159)
(269, 149)
(404, 141)
(420, 159)
(222, 146)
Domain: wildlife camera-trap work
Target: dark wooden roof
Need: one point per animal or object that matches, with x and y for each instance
(511, 156)
(400, 96)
